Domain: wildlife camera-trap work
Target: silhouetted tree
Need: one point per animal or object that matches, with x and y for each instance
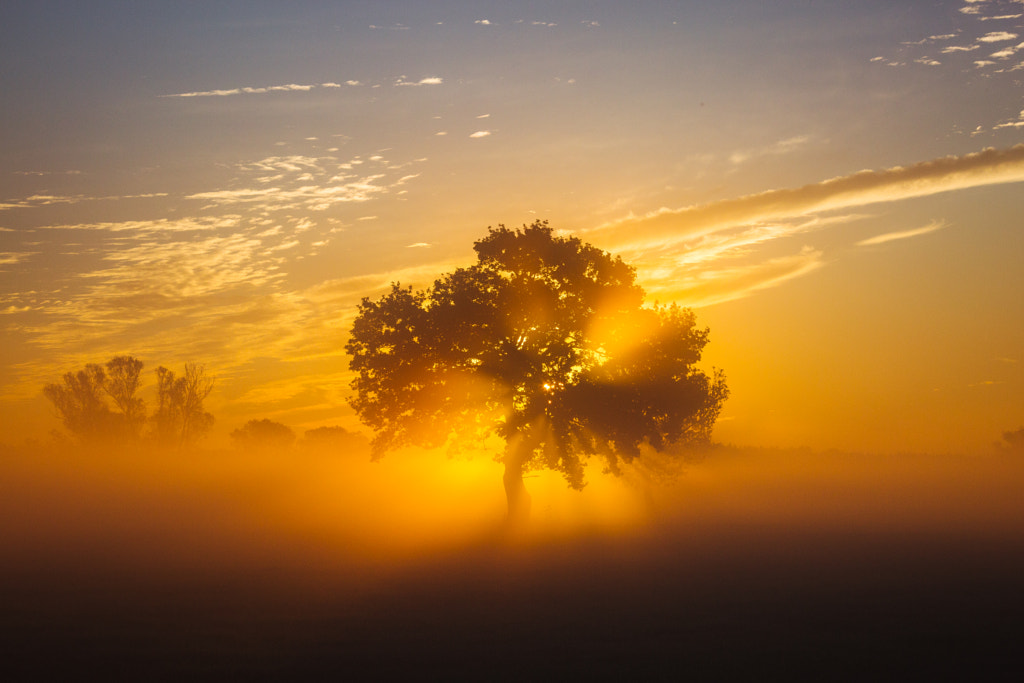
(79, 401)
(179, 418)
(1014, 441)
(122, 382)
(544, 342)
(262, 435)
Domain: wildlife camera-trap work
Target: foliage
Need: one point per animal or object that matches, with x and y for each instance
(544, 342)
(263, 435)
(180, 418)
(1014, 441)
(122, 383)
(80, 401)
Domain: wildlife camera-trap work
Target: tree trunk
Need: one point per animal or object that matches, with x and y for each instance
(515, 490)
(516, 457)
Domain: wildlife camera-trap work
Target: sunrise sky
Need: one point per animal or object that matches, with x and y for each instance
(835, 187)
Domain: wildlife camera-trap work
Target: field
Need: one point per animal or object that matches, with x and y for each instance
(737, 564)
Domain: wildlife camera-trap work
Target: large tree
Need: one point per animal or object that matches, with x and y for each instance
(545, 342)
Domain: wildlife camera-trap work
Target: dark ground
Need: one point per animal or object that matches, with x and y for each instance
(724, 604)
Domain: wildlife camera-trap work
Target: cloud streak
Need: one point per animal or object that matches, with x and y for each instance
(892, 236)
(685, 251)
(296, 87)
(947, 174)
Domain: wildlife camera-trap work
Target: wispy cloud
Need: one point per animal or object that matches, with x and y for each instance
(39, 200)
(781, 147)
(679, 245)
(295, 87)
(904, 234)
(290, 87)
(429, 80)
(988, 167)
(9, 258)
(480, 134)
(714, 286)
(160, 225)
(997, 37)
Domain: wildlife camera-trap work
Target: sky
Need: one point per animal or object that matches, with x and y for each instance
(835, 188)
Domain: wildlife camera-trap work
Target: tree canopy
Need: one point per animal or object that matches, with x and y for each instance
(544, 342)
(263, 435)
(81, 400)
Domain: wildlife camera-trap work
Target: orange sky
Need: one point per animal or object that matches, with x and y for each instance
(836, 189)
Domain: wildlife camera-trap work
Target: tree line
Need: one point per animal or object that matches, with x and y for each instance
(100, 403)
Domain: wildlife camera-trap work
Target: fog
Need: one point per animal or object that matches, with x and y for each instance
(731, 560)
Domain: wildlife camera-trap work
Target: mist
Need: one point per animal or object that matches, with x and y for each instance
(301, 563)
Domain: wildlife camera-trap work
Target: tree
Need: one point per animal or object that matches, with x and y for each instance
(544, 342)
(263, 435)
(179, 418)
(79, 401)
(1014, 441)
(122, 382)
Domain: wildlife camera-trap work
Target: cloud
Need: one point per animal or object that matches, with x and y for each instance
(959, 48)
(296, 182)
(38, 200)
(988, 167)
(781, 147)
(709, 287)
(429, 80)
(480, 134)
(683, 249)
(891, 236)
(483, 22)
(997, 37)
(1018, 123)
(10, 258)
(161, 226)
(291, 87)
(1007, 52)
(418, 245)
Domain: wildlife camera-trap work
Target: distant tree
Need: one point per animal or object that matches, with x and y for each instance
(544, 342)
(263, 435)
(81, 406)
(122, 383)
(180, 419)
(334, 439)
(1014, 441)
